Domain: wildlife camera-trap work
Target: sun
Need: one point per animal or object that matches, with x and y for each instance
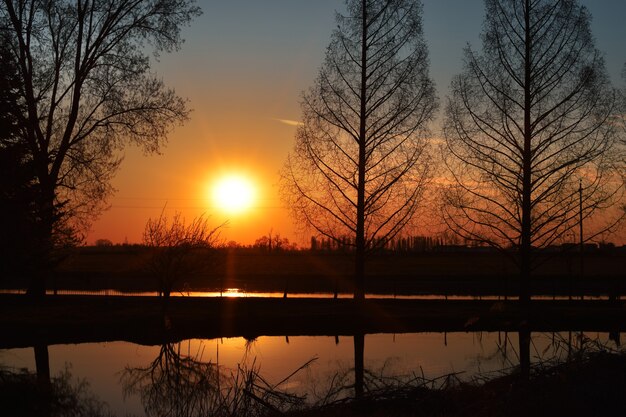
(233, 193)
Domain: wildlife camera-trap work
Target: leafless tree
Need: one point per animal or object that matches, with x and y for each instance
(621, 126)
(622, 111)
(272, 242)
(88, 90)
(361, 160)
(528, 138)
(178, 249)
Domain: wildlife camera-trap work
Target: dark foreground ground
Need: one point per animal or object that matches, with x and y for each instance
(462, 272)
(588, 385)
(145, 320)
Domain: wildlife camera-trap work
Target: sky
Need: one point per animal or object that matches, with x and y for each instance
(243, 68)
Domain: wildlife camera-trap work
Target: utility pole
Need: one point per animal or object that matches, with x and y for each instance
(580, 225)
(580, 220)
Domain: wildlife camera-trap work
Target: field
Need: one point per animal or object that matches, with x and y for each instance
(467, 272)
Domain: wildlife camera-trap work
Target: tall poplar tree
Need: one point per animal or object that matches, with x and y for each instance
(528, 138)
(361, 161)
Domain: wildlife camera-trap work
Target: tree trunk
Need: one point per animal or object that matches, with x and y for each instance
(525, 249)
(44, 241)
(359, 270)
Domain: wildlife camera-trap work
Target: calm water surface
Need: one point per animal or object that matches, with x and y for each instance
(239, 292)
(103, 365)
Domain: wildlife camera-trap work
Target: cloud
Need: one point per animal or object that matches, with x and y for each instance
(289, 122)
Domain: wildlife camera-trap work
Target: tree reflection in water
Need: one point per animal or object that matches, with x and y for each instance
(24, 393)
(179, 382)
(183, 384)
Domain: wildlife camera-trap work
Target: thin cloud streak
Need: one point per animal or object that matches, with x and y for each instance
(290, 122)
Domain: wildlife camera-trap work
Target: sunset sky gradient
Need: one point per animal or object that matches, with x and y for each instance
(243, 68)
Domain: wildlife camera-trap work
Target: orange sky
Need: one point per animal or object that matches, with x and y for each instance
(243, 68)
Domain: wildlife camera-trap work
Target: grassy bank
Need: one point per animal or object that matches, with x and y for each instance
(74, 319)
(587, 384)
(446, 273)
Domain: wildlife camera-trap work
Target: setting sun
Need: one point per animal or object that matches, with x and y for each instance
(233, 193)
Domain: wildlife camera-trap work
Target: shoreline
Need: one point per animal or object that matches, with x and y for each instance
(63, 319)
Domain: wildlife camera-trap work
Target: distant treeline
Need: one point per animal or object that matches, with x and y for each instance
(405, 244)
(444, 243)
(401, 244)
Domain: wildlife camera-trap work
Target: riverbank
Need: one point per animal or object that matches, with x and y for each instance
(469, 272)
(75, 319)
(589, 383)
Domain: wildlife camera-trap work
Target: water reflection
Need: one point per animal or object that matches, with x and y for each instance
(254, 377)
(173, 384)
(359, 365)
(183, 384)
(24, 393)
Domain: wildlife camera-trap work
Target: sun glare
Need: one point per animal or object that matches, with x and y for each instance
(233, 194)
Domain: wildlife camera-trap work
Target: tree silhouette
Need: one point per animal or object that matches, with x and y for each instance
(361, 159)
(528, 141)
(17, 176)
(178, 249)
(273, 242)
(622, 108)
(88, 90)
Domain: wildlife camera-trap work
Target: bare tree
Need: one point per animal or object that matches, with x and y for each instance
(528, 140)
(88, 90)
(361, 160)
(622, 107)
(178, 250)
(272, 242)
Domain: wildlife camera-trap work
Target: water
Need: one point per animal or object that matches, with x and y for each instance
(107, 367)
(239, 292)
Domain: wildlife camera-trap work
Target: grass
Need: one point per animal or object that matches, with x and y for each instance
(463, 273)
(587, 384)
(74, 319)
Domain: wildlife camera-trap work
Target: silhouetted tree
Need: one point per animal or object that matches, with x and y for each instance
(88, 90)
(273, 242)
(178, 250)
(361, 160)
(104, 242)
(17, 176)
(526, 125)
(622, 112)
(10, 106)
